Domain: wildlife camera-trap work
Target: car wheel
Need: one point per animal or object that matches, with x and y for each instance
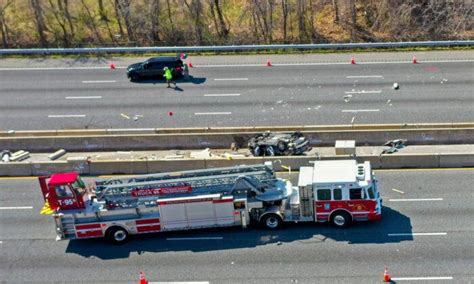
(116, 235)
(134, 77)
(281, 146)
(341, 219)
(257, 151)
(270, 151)
(271, 221)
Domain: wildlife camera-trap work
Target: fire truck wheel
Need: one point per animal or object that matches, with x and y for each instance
(116, 235)
(341, 219)
(271, 221)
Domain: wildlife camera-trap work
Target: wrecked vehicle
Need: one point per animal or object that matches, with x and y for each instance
(278, 144)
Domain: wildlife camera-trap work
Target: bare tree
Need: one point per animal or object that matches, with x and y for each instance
(90, 22)
(154, 20)
(3, 23)
(63, 19)
(219, 22)
(195, 10)
(302, 21)
(335, 7)
(124, 11)
(284, 10)
(352, 8)
(39, 21)
(104, 19)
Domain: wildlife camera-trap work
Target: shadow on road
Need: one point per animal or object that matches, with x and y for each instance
(236, 238)
(190, 80)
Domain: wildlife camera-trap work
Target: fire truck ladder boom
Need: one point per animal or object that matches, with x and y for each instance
(217, 180)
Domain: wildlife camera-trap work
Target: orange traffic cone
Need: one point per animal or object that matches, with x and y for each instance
(414, 60)
(269, 63)
(112, 66)
(190, 64)
(170, 113)
(386, 276)
(142, 279)
(353, 61)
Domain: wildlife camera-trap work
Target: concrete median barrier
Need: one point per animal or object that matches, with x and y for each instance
(15, 169)
(118, 167)
(456, 160)
(409, 161)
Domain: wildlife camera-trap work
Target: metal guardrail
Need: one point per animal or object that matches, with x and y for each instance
(236, 47)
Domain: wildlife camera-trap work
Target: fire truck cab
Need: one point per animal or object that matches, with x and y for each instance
(64, 190)
(339, 192)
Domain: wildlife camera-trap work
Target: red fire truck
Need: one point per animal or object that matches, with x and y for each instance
(339, 192)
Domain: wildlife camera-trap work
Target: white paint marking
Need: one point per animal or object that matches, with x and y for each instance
(399, 191)
(16, 207)
(360, 110)
(417, 234)
(364, 92)
(80, 98)
(222, 95)
(99, 81)
(180, 282)
(231, 79)
(239, 65)
(421, 278)
(368, 76)
(194, 239)
(66, 115)
(417, 199)
(212, 113)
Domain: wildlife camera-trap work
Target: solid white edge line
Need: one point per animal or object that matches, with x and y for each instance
(179, 282)
(417, 234)
(360, 110)
(364, 76)
(194, 239)
(212, 113)
(16, 207)
(222, 95)
(66, 115)
(231, 79)
(422, 278)
(99, 81)
(243, 65)
(416, 199)
(79, 98)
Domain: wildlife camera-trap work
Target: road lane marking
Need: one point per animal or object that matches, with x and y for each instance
(399, 191)
(360, 110)
(231, 79)
(222, 95)
(212, 113)
(179, 282)
(66, 115)
(364, 92)
(16, 207)
(417, 234)
(422, 278)
(362, 76)
(99, 81)
(194, 239)
(85, 97)
(417, 199)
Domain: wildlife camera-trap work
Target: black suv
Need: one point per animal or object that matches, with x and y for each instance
(153, 68)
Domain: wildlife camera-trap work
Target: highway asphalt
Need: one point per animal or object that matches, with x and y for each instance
(300, 93)
(426, 233)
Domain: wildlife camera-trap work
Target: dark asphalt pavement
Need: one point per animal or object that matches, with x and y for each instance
(302, 253)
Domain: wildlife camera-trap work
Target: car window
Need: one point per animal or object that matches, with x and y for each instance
(324, 194)
(355, 193)
(158, 65)
(370, 192)
(337, 194)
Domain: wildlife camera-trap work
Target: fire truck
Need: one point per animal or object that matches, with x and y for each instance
(338, 192)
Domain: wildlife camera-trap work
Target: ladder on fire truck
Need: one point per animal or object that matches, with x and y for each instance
(228, 180)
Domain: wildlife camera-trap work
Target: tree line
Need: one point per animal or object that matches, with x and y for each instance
(86, 23)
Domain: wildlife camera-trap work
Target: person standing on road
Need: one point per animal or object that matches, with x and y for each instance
(169, 76)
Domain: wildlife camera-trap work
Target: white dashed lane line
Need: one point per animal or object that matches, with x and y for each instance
(364, 76)
(360, 110)
(84, 98)
(99, 82)
(417, 234)
(364, 92)
(231, 79)
(222, 95)
(66, 115)
(415, 199)
(16, 207)
(422, 278)
(212, 113)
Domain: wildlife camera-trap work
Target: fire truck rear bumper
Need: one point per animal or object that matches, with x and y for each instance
(375, 216)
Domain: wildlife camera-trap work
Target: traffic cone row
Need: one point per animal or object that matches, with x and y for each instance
(269, 63)
(112, 66)
(414, 59)
(353, 61)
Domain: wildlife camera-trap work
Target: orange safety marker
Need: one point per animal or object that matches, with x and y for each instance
(142, 279)
(414, 60)
(353, 61)
(170, 113)
(112, 66)
(386, 276)
(190, 64)
(269, 63)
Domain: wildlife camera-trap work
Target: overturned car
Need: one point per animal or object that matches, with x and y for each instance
(278, 144)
